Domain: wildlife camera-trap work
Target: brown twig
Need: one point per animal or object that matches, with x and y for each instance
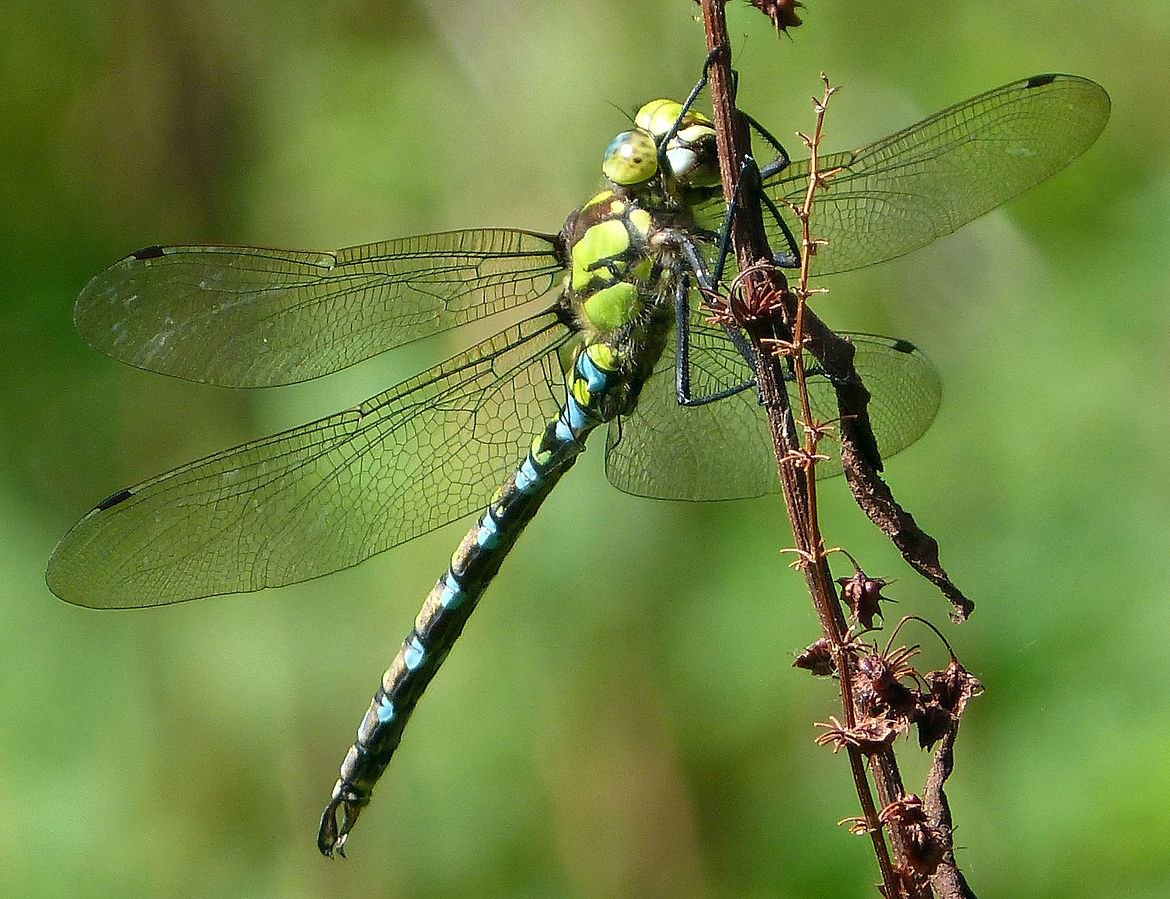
(761, 289)
(781, 329)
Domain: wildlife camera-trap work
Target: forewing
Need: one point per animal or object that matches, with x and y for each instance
(251, 317)
(925, 181)
(325, 495)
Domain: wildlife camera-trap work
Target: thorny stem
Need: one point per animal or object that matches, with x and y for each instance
(837, 633)
(885, 764)
(807, 251)
(762, 285)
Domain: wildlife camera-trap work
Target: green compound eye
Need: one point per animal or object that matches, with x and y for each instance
(658, 116)
(690, 155)
(631, 158)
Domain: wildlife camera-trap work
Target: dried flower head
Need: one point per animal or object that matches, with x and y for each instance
(904, 811)
(950, 691)
(781, 12)
(863, 594)
(817, 658)
(870, 735)
(879, 689)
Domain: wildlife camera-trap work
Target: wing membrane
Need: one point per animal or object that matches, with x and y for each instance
(722, 450)
(925, 181)
(325, 495)
(251, 317)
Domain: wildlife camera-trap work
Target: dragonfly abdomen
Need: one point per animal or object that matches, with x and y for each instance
(454, 597)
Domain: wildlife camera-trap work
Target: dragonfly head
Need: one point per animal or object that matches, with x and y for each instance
(688, 159)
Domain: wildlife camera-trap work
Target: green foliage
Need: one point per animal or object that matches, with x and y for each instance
(645, 735)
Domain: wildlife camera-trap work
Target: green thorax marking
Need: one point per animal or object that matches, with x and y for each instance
(611, 263)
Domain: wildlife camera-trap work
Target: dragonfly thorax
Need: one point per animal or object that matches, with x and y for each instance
(610, 263)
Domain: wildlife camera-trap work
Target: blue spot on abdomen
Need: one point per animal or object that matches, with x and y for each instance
(415, 652)
(386, 710)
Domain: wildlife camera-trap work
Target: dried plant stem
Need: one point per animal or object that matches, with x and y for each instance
(776, 317)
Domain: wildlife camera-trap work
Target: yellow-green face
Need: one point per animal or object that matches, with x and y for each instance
(689, 158)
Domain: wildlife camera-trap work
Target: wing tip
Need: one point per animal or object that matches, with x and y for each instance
(1047, 78)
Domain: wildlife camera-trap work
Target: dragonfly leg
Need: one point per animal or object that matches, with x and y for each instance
(749, 171)
(723, 249)
(782, 160)
(692, 96)
(682, 349)
(791, 258)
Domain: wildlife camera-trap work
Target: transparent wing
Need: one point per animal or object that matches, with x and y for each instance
(722, 450)
(251, 317)
(925, 181)
(325, 495)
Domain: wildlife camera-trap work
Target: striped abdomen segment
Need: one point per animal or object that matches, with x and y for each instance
(454, 596)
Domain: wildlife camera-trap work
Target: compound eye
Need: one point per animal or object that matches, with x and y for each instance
(692, 157)
(658, 117)
(632, 158)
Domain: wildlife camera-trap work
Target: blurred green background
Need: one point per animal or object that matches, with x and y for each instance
(622, 721)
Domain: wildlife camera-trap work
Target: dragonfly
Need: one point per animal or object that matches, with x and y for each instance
(601, 323)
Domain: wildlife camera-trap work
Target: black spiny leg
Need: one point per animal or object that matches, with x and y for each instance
(790, 259)
(782, 160)
(747, 170)
(682, 340)
(692, 96)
